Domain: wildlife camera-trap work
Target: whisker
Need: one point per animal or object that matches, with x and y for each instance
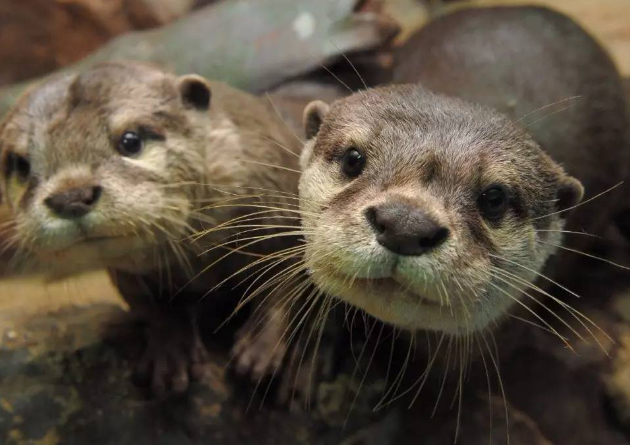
(546, 106)
(501, 388)
(217, 187)
(299, 212)
(318, 293)
(536, 325)
(393, 389)
(350, 63)
(281, 167)
(549, 115)
(574, 312)
(278, 144)
(367, 340)
(426, 372)
(443, 384)
(612, 263)
(279, 278)
(321, 320)
(564, 339)
(337, 78)
(277, 111)
(569, 232)
(289, 327)
(537, 274)
(581, 203)
(531, 311)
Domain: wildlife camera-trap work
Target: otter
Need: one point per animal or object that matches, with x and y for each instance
(118, 166)
(436, 203)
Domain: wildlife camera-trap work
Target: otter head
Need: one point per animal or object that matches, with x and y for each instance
(426, 211)
(99, 167)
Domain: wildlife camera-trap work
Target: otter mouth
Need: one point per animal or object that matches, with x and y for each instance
(118, 252)
(94, 240)
(99, 239)
(391, 287)
(396, 303)
(115, 246)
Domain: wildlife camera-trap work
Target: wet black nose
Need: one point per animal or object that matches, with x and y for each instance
(405, 229)
(74, 203)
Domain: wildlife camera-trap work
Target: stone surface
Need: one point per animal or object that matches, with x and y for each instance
(61, 385)
(65, 378)
(267, 42)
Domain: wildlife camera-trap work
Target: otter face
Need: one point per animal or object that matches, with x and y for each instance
(96, 167)
(426, 211)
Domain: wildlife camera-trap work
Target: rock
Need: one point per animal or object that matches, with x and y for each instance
(52, 392)
(482, 422)
(250, 44)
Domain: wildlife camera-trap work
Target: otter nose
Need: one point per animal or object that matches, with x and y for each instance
(404, 229)
(74, 203)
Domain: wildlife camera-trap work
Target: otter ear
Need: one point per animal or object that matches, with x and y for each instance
(569, 194)
(194, 91)
(314, 115)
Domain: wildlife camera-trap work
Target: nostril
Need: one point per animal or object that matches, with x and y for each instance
(93, 197)
(74, 203)
(434, 239)
(372, 216)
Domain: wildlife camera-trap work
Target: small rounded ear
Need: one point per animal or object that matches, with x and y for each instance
(194, 91)
(314, 115)
(569, 194)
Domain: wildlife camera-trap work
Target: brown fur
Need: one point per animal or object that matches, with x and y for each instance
(440, 155)
(519, 60)
(440, 152)
(195, 156)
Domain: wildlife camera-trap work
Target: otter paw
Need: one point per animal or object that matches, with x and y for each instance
(171, 361)
(259, 352)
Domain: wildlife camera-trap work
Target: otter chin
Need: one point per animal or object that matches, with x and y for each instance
(393, 302)
(426, 211)
(130, 252)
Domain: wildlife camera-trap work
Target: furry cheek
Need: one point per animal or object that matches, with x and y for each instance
(316, 189)
(14, 192)
(152, 159)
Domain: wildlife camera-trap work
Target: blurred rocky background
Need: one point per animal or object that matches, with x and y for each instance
(66, 346)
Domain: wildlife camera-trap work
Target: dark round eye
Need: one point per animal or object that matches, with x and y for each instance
(130, 144)
(20, 165)
(352, 162)
(493, 203)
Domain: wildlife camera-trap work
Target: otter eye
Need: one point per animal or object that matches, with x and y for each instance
(493, 203)
(130, 144)
(20, 165)
(352, 163)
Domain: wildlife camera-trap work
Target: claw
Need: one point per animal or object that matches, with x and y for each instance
(174, 356)
(259, 352)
